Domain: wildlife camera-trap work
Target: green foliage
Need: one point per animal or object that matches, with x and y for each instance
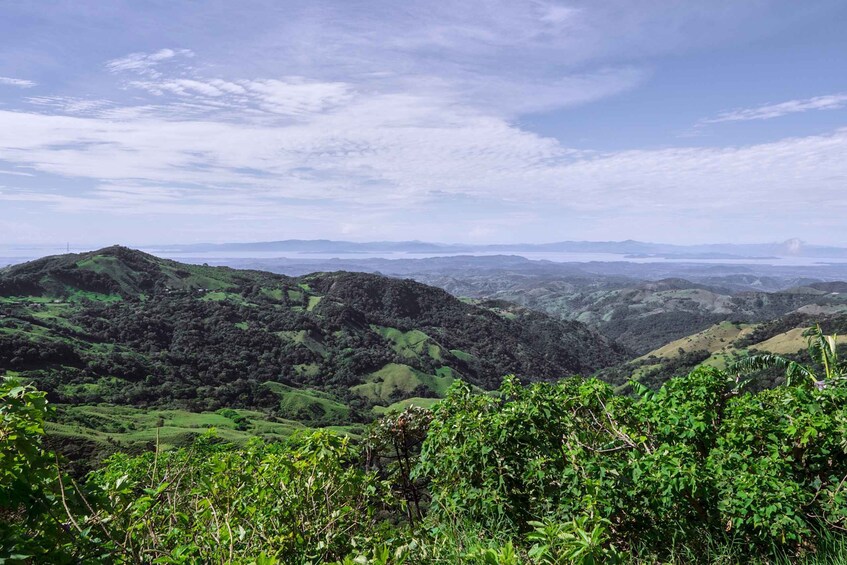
(23, 463)
(569, 472)
(34, 507)
(304, 500)
(121, 327)
(823, 351)
(576, 541)
(694, 461)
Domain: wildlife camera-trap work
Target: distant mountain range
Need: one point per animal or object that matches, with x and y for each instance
(641, 305)
(634, 249)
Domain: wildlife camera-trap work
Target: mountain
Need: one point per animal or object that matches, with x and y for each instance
(642, 314)
(127, 328)
(641, 305)
(647, 315)
(791, 247)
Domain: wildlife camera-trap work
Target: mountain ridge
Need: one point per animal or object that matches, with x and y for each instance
(121, 326)
(635, 249)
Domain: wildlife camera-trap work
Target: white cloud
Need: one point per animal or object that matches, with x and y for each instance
(145, 63)
(297, 96)
(397, 152)
(15, 173)
(19, 82)
(71, 105)
(769, 111)
(291, 96)
(332, 114)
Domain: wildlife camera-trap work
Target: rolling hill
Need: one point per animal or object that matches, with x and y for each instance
(724, 343)
(644, 315)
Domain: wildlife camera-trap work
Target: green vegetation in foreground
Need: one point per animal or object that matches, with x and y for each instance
(699, 471)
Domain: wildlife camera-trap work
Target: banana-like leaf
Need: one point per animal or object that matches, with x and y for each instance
(794, 371)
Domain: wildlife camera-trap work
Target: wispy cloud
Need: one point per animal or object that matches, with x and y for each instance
(15, 173)
(770, 111)
(70, 104)
(145, 63)
(290, 96)
(19, 82)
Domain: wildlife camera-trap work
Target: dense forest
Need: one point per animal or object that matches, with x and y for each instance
(123, 327)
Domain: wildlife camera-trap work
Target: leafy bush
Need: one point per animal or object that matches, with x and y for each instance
(693, 462)
(304, 500)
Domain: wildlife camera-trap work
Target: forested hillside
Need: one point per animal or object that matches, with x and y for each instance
(127, 328)
(723, 344)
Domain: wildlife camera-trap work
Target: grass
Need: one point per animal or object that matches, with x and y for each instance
(713, 339)
(413, 344)
(831, 549)
(273, 293)
(295, 296)
(303, 338)
(81, 295)
(220, 295)
(789, 342)
(309, 405)
(403, 404)
(129, 427)
(720, 341)
(15, 300)
(297, 336)
(198, 277)
(393, 380)
(110, 266)
(313, 301)
(307, 369)
(463, 356)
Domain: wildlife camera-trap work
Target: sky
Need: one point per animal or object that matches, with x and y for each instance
(150, 122)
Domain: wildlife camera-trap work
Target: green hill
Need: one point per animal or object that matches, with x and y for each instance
(644, 315)
(124, 328)
(722, 344)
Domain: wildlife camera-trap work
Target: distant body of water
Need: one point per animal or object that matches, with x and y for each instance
(12, 255)
(557, 257)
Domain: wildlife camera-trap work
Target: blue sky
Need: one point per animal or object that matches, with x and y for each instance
(671, 121)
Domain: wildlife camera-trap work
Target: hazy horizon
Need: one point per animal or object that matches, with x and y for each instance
(532, 121)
